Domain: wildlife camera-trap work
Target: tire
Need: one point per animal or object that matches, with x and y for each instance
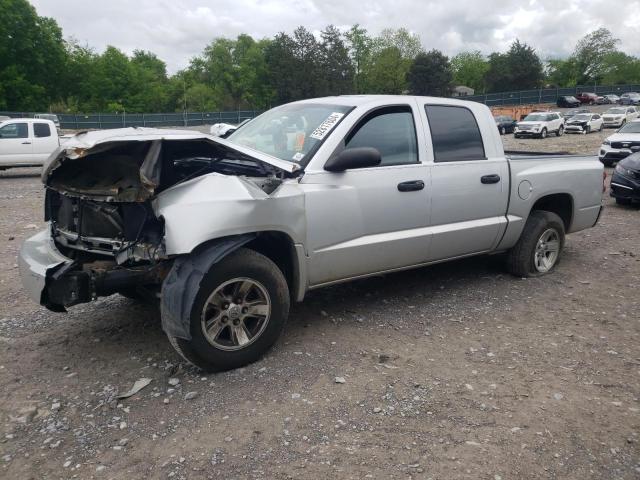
(515, 135)
(560, 131)
(543, 133)
(226, 351)
(623, 201)
(503, 131)
(623, 123)
(607, 163)
(591, 102)
(523, 258)
(601, 127)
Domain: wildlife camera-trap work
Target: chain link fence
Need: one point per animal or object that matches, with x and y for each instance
(115, 120)
(546, 95)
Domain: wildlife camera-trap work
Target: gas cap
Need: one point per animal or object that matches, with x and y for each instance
(524, 189)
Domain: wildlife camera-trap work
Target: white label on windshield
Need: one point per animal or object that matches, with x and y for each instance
(326, 126)
(298, 156)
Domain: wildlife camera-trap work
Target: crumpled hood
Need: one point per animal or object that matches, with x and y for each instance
(85, 143)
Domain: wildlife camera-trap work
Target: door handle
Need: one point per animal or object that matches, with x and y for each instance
(411, 186)
(490, 178)
(26, 143)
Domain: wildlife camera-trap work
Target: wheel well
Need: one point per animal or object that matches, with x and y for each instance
(559, 203)
(278, 247)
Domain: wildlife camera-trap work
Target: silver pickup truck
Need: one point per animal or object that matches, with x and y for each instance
(225, 233)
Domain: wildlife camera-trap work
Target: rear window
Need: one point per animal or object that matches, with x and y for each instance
(41, 130)
(454, 133)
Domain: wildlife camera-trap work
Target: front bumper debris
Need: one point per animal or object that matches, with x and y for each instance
(55, 281)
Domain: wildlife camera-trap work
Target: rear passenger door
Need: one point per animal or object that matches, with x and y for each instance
(469, 191)
(43, 141)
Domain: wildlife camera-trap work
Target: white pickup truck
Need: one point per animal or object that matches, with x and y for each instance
(27, 142)
(225, 233)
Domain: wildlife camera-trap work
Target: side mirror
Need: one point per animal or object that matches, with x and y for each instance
(360, 157)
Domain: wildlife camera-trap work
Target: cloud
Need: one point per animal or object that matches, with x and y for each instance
(177, 30)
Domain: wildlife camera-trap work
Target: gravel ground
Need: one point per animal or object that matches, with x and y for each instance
(453, 371)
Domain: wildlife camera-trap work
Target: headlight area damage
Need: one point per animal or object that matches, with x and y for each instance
(102, 191)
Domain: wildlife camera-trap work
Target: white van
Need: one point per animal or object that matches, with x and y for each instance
(26, 142)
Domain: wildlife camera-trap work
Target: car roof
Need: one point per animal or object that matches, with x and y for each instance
(363, 100)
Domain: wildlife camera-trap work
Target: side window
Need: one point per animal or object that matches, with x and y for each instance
(454, 133)
(392, 132)
(15, 130)
(596, 117)
(41, 130)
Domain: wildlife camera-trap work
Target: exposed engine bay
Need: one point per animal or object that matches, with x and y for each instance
(100, 208)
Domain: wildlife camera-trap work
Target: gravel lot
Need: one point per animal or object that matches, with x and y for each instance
(453, 371)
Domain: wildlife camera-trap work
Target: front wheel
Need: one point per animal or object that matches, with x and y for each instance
(560, 131)
(543, 133)
(538, 249)
(239, 312)
(503, 131)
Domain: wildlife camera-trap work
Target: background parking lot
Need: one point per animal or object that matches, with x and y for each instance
(453, 371)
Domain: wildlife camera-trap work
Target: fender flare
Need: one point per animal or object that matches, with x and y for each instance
(181, 285)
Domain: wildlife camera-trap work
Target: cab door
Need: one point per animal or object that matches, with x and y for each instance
(367, 220)
(15, 143)
(44, 141)
(469, 184)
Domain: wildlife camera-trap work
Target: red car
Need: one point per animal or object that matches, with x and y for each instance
(587, 97)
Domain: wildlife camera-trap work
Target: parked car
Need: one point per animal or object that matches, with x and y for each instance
(621, 144)
(568, 101)
(223, 130)
(618, 116)
(540, 125)
(572, 113)
(625, 181)
(26, 142)
(505, 124)
(631, 98)
(584, 123)
(608, 99)
(4, 117)
(49, 116)
(588, 98)
(228, 232)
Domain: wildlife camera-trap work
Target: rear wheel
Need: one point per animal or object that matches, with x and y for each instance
(238, 313)
(538, 249)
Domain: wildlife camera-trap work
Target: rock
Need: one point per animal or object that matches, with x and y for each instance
(295, 395)
(558, 396)
(67, 464)
(191, 395)
(174, 382)
(123, 442)
(340, 380)
(123, 425)
(228, 439)
(100, 468)
(165, 401)
(6, 458)
(377, 410)
(25, 415)
(469, 387)
(56, 406)
(474, 444)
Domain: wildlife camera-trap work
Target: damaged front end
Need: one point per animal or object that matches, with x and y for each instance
(105, 235)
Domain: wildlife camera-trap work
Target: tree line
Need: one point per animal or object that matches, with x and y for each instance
(40, 70)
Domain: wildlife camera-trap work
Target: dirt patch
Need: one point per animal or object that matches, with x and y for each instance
(453, 371)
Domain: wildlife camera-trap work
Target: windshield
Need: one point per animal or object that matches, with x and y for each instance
(616, 110)
(536, 117)
(290, 132)
(582, 117)
(503, 119)
(633, 127)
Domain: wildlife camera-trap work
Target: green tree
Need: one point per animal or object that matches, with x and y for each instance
(562, 72)
(590, 55)
(360, 46)
(518, 69)
(469, 69)
(430, 74)
(281, 66)
(336, 65)
(32, 57)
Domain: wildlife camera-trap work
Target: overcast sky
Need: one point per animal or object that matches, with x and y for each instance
(176, 30)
